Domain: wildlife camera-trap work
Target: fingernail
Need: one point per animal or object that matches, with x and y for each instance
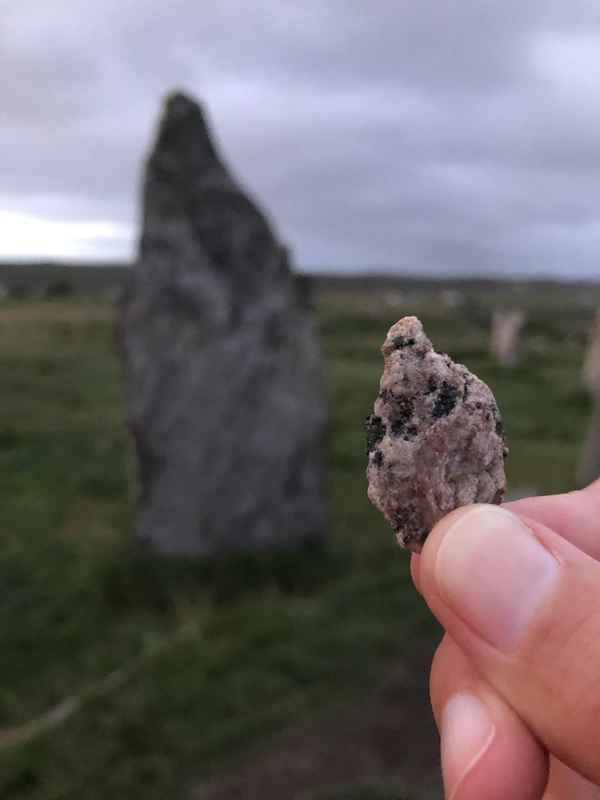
(467, 732)
(494, 574)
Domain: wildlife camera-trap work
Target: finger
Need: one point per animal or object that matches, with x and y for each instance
(524, 606)
(487, 752)
(575, 516)
(526, 764)
(565, 784)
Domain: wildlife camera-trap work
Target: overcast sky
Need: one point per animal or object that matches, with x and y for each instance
(439, 136)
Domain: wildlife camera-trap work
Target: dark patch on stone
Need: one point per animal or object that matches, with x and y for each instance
(378, 458)
(403, 517)
(275, 332)
(403, 341)
(404, 408)
(446, 400)
(413, 540)
(432, 386)
(375, 429)
(404, 522)
(499, 425)
(410, 432)
(498, 497)
(466, 389)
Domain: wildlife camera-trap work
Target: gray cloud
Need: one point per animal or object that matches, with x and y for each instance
(435, 137)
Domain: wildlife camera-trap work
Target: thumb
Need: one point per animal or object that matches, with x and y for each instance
(524, 606)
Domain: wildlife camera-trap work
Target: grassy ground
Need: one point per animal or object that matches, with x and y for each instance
(179, 667)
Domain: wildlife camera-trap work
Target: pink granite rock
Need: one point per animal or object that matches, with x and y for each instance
(435, 439)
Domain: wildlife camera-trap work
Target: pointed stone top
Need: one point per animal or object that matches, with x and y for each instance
(184, 130)
(179, 106)
(192, 203)
(407, 332)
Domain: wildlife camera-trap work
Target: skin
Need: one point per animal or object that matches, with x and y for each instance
(541, 695)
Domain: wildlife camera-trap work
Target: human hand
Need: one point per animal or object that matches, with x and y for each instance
(515, 683)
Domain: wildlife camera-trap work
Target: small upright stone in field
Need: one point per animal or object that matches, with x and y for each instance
(589, 465)
(452, 298)
(435, 439)
(591, 364)
(506, 336)
(223, 367)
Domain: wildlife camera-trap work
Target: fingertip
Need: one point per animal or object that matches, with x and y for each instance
(467, 733)
(509, 764)
(488, 752)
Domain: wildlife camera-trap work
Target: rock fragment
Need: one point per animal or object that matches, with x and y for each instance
(435, 439)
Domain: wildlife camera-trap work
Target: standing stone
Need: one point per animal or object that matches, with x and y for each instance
(589, 465)
(223, 368)
(505, 336)
(591, 364)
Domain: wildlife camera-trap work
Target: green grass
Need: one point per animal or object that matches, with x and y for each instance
(266, 641)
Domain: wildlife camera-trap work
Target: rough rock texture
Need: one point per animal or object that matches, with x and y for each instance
(435, 438)
(223, 368)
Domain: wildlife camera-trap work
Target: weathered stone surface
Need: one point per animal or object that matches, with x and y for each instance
(435, 439)
(223, 368)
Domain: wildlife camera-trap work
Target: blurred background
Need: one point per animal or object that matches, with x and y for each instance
(431, 159)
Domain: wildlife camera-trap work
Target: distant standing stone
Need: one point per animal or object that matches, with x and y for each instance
(224, 380)
(591, 364)
(505, 338)
(589, 464)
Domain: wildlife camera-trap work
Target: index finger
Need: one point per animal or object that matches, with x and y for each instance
(575, 516)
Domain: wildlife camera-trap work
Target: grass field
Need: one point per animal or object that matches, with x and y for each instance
(161, 673)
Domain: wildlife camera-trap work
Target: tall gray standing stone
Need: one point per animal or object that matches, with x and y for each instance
(224, 380)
